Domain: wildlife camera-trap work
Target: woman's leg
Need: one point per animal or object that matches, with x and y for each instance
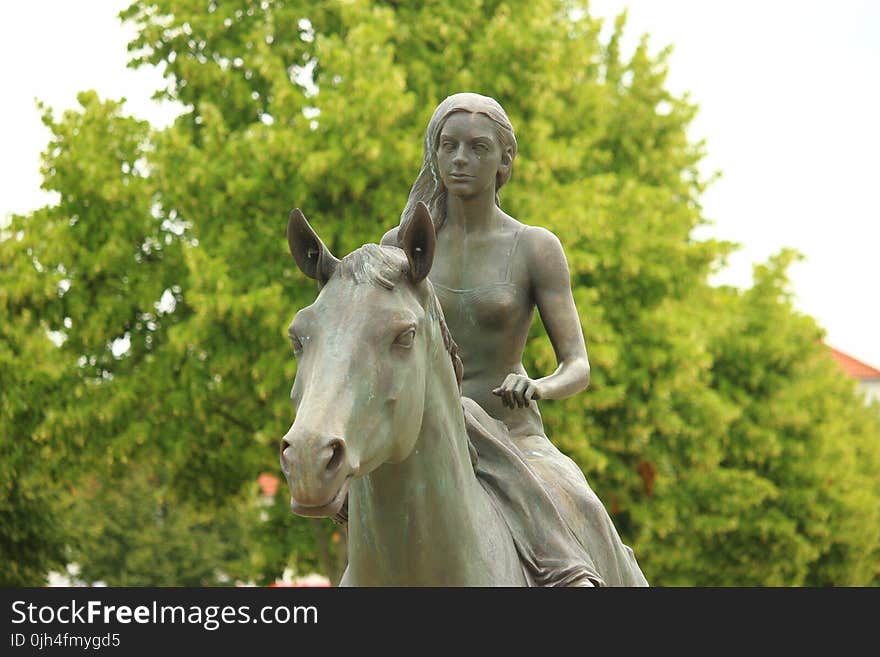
(583, 511)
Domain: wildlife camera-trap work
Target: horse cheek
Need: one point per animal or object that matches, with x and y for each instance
(408, 407)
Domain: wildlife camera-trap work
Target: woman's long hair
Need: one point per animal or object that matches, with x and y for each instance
(428, 187)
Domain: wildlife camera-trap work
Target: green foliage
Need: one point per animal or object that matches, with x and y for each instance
(716, 430)
(31, 539)
(803, 434)
(146, 534)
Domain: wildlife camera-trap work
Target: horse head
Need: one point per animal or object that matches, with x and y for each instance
(363, 349)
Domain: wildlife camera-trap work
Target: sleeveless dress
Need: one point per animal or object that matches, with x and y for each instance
(562, 530)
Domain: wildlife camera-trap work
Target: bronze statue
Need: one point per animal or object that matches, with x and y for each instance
(491, 272)
(437, 493)
(517, 511)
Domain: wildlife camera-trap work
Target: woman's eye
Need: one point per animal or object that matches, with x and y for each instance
(481, 148)
(406, 338)
(296, 344)
(448, 147)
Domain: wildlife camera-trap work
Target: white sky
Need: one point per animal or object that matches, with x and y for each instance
(789, 96)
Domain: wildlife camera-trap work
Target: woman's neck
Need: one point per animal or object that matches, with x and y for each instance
(475, 214)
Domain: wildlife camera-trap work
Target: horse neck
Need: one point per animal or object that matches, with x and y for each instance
(426, 517)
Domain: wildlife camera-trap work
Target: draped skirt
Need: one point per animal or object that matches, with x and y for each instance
(561, 529)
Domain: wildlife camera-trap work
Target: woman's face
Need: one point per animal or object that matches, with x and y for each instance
(469, 154)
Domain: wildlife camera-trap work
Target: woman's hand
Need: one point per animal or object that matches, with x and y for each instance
(517, 391)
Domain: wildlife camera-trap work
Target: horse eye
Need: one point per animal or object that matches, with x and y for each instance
(406, 338)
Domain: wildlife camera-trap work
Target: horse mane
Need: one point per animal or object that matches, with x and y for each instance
(386, 266)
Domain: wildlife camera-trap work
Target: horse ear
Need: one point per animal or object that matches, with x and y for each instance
(307, 249)
(418, 239)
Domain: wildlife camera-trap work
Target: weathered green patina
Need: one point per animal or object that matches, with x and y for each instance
(490, 273)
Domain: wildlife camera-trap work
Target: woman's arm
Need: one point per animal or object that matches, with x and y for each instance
(551, 289)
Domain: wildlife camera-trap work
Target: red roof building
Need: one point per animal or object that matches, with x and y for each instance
(868, 377)
(854, 367)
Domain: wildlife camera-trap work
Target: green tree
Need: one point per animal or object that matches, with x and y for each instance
(144, 536)
(32, 539)
(65, 273)
(716, 431)
(804, 441)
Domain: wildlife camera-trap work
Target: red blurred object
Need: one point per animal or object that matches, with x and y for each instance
(268, 484)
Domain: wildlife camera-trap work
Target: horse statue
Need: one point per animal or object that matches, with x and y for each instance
(380, 421)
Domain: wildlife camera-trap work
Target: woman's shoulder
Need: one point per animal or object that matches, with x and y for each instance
(537, 243)
(541, 239)
(536, 236)
(543, 254)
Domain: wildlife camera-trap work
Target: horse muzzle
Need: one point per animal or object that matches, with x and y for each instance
(317, 470)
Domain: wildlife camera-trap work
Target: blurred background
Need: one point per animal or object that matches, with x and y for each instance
(715, 199)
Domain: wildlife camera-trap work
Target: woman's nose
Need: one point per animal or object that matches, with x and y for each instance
(459, 159)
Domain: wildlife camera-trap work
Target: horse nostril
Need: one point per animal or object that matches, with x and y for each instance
(337, 455)
(285, 456)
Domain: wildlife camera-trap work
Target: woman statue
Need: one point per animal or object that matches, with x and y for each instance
(490, 272)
